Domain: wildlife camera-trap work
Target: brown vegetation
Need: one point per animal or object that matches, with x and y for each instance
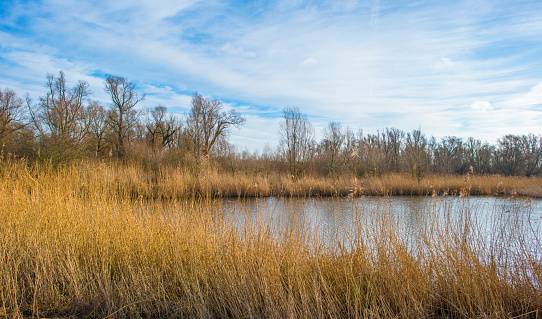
(86, 241)
(134, 181)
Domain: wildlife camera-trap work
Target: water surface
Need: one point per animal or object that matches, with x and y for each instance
(491, 221)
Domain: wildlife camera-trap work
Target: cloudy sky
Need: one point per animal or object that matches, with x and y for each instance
(462, 68)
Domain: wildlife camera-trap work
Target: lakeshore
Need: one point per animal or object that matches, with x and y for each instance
(72, 245)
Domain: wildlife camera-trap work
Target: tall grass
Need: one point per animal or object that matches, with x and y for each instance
(134, 181)
(490, 185)
(73, 242)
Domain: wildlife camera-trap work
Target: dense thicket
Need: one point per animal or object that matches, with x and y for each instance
(65, 124)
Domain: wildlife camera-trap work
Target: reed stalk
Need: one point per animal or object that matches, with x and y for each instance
(98, 241)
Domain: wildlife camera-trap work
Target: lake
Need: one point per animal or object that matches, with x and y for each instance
(491, 223)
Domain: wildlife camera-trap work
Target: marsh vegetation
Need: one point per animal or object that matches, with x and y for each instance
(77, 242)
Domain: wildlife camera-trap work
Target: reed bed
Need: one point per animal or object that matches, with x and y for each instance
(74, 243)
(166, 182)
(453, 185)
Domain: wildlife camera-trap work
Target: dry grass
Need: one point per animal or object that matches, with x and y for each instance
(134, 181)
(456, 185)
(74, 242)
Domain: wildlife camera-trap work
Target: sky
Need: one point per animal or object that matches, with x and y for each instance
(450, 68)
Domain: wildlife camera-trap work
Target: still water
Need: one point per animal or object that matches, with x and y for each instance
(489, 221)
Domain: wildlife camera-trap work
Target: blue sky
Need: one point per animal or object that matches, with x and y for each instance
(462, 68)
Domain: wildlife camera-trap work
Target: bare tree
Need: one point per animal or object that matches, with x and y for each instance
(97, 121)
(206, 123)
(332, 143)
(533, 154)
(373, 154)
(161, 128)
(60, 117)
(394, 138)
(449, 156)
(350, 151)
(509, 157)
(478, 155)
(11, 114)
(122, 115)
(416, 153)
(376, 154)
(296, 140)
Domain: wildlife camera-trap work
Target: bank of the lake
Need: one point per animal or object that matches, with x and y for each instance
(168, 182)
(94, 240)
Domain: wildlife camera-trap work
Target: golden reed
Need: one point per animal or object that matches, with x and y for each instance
(97, 240)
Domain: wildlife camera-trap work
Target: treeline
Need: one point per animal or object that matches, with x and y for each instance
(66, 124)
(342, 150)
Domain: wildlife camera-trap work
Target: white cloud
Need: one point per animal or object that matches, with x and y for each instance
(481, 106)
(531, 98)
(166, 96)
(236, 50)
(309, 61)
(445, 63)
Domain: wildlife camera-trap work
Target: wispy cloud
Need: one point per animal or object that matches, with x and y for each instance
(368, 64)
(527, 100)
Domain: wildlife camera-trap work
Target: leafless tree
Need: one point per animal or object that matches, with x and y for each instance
(60, 117)
(349, 153)
(533, 154)
(97, 121)
(478, 155)
(206, 123)
(333, 140)
(393, 140)
(449, 156)
(509, 158)
(296, 140)
(376, 154)
(122, 116)
(11, 114)
(161, 128)
(371, 154)
(416, 154)
(60, 113)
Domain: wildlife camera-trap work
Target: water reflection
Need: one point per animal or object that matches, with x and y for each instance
(497, 221)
